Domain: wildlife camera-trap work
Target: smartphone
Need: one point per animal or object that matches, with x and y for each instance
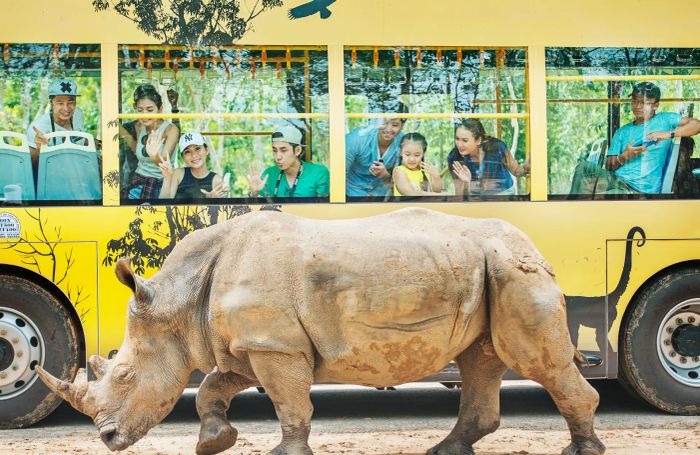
(641, 141)
(227, 181)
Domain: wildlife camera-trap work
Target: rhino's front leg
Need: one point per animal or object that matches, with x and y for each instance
(213, 399)
(287, 380)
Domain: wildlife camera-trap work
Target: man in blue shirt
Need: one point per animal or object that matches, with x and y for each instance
(638, 150)
(371, 153)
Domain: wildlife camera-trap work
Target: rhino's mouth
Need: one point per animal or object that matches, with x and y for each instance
(113, 439)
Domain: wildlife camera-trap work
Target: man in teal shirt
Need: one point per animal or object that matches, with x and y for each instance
(371, 153)
(638, 150)
(291, 176)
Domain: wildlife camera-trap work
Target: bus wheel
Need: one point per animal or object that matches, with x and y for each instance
(660, 344)
(35, 329)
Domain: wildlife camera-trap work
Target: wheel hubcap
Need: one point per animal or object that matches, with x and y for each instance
(21, 349)
(678, 343)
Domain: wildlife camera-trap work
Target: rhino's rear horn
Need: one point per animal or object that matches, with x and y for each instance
(98, 365)
(72, 393)
(141, 289)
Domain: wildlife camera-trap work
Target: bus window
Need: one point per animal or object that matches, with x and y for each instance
(620, 123)
(49, 124)
(432, 123)
(229, 124)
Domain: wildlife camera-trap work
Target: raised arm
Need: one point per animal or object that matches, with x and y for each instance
(515, 168)
(433, 172)
(171, 180)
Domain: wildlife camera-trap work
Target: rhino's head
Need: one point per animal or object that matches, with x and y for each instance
(136, 389)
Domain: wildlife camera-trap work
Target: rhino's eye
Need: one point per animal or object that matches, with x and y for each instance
(123, 374)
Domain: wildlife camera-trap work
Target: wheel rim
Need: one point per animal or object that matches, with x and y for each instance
(21, 349)
(682, 368)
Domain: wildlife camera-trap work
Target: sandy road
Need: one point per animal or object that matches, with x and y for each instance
(406, 421)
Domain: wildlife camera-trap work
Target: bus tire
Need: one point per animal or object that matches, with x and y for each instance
(658, 354)
(35, 328)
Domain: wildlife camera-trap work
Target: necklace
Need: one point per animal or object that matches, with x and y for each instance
(294, 185)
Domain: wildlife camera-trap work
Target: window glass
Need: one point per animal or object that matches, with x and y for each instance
(231, 123)
(50, 146)
(620, 122)
(445, 123)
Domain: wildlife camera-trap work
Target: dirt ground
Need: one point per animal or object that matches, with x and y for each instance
(182, 439)
(407, 421)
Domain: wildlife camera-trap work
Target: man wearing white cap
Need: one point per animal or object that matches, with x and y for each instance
(64, 115)
(195, 181)
(291, 176)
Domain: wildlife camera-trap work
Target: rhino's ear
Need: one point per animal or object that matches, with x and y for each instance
(142, 291)
(124, 273)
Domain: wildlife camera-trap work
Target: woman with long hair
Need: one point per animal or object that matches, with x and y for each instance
(155, 142)
(480, 163)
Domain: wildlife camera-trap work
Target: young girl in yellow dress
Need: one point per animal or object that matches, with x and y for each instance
(415, 177)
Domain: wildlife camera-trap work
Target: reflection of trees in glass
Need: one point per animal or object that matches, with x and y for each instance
(574, 127)
(469, 82)
(193, 22)
(29, 69)
(236, 80)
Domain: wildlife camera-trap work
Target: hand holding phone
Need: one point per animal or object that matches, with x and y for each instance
(641, 141)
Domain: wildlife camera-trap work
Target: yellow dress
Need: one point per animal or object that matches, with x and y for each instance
(415, 178)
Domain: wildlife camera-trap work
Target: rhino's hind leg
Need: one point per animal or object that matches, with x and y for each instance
(287, 380)
(529, 332)
(213, 398)
(479, 413)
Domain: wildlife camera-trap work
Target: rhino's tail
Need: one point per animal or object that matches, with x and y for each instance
(585, 361)
(580, 359)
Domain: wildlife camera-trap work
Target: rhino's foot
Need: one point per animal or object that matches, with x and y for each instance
(292, 449)
(215, 436)
(585, 447)
(451, 446)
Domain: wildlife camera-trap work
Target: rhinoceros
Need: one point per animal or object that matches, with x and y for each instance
(284, 302)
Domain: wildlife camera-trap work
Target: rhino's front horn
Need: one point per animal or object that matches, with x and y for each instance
(72, 393)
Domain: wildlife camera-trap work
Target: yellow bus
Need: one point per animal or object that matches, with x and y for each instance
(95, 114)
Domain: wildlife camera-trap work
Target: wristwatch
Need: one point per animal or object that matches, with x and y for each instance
(673, 134)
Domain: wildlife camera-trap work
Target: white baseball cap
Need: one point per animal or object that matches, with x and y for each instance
(60, 87)
(188, 139)
(287, 134)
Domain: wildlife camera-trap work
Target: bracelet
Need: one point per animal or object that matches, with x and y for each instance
(617, 160)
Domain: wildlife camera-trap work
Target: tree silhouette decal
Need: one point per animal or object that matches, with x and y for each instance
(149, 243)
(192, 22)
(48, 243)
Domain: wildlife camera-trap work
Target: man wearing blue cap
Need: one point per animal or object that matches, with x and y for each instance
(638, 150)
(64, 115)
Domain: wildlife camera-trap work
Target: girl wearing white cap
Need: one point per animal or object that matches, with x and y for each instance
(63, 116)
(196, 180)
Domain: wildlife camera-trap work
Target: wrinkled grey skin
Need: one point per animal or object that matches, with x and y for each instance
(284, 302)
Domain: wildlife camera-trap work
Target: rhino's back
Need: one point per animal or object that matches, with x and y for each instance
(388, 299)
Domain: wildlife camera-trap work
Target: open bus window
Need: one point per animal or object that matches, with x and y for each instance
(49, 124)
(620, 123)
(197, 125)
(436, 123)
